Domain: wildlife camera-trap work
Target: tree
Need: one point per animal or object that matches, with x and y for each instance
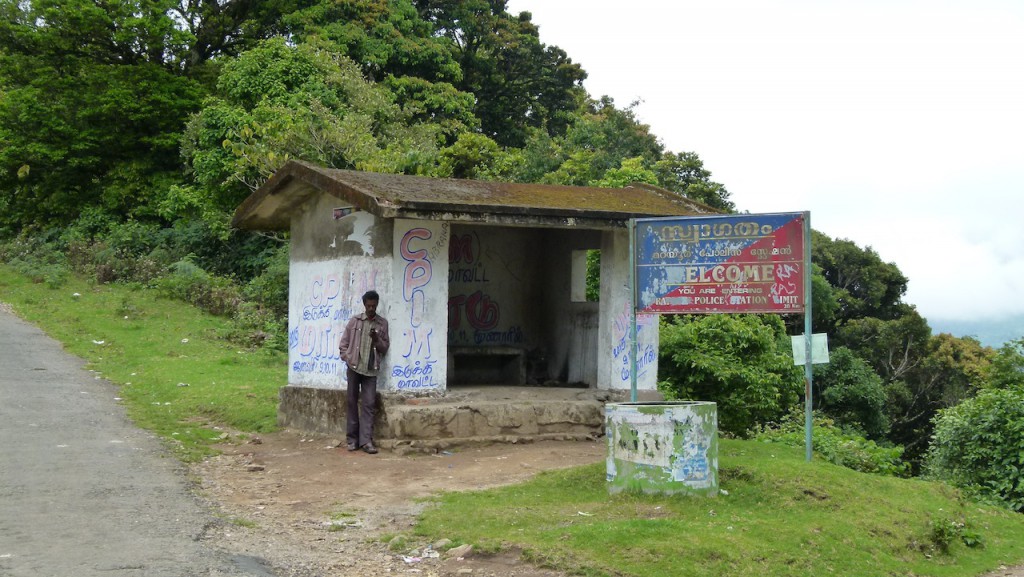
(852, 393)
(471, 156)
(959, 366)
(893, 347)
(741, 362)
(923, 374)
(281, 101)
(598, 140)
(1007, 369)
(225, 28)
(824, 304)
(519, 83)
(632, 170)
(684, 173)
(437, 103)
(93, 103)
(865, 286)
(385, 37)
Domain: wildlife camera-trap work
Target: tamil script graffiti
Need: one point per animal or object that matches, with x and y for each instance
(326, 301)
(418, 375)
(481, 312)
(646, 353)
(314, 339)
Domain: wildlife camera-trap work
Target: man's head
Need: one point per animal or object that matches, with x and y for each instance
(370, 301)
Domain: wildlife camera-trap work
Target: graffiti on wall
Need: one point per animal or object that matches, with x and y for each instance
(474, 315)
(419, 251)
(314, 337)
(646, 326)
(324, 302)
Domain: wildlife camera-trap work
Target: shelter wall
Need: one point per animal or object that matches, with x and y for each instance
(418, 359)
(333, 262)
(572, 322)
(494, 279)
(446, 286)
(615, 321)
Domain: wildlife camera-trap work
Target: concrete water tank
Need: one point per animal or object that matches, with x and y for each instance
(663, 448)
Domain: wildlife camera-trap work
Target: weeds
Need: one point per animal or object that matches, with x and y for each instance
(943, 533)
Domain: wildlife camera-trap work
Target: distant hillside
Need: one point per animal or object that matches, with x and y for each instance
(991, 332)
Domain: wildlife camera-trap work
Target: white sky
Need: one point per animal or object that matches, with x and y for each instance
(899, 124)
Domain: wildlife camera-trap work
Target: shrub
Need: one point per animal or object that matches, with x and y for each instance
(852, 393)
(40, 260)
(259, 327)
(737, 361)
(190, 283)
(270, 288)
(125, 253)
(944, 532)
(845, 448)
(978, 446)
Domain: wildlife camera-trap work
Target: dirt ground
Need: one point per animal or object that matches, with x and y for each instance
(308, 507)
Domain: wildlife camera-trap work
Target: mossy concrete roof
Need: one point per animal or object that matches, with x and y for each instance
(272, 206)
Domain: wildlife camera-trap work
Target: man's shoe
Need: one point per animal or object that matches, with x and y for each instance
(352, 447)
(369, 448)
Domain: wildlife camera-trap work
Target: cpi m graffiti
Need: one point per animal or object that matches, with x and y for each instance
(415, 371)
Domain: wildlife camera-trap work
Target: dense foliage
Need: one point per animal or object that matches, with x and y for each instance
(979, 445)
(852, 393)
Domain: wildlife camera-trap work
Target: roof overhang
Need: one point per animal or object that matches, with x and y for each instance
(274, 204)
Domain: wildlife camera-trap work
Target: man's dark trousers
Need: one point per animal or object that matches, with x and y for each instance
(361, 401)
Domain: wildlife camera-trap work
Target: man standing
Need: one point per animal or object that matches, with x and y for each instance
(363, 343)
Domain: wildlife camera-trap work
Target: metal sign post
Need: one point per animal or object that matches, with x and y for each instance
(808, 372)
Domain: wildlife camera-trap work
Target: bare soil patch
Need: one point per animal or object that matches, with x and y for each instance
(307, 506)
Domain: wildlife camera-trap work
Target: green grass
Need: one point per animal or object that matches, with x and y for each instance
(152, 348)
(781, 517)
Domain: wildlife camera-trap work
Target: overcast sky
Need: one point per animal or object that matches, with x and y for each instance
(898, 124)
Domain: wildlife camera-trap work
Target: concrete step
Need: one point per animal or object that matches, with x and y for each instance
(446, 424)
(462, 416)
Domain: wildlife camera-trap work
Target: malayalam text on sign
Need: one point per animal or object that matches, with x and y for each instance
(751, 263)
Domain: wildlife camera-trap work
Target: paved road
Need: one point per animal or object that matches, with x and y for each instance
(82, 491)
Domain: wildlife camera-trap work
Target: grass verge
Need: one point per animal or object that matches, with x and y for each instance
(779, 516)
(177, 378)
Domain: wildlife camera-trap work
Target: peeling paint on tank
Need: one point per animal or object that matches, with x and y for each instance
(667, 448)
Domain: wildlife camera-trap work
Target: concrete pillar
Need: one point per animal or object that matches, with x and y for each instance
(613, 370)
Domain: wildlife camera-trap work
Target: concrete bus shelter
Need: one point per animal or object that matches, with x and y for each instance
(483, 284)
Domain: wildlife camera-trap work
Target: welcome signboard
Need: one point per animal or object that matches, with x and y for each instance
(751, 263)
